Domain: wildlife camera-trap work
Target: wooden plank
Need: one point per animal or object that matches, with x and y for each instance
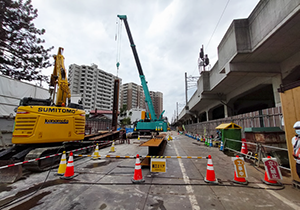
(290, 101)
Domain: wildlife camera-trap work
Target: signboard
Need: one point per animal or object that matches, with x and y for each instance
(272, 168)
(239, 167)
(158, 165)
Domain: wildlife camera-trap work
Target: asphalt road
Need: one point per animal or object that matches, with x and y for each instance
(105, 184)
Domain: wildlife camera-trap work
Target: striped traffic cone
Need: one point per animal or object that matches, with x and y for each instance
(222, 146)
(96, 153)
(62, 165)
(69, 174)
(112, 149)
(244, 149)
(137, 177)
(210, 173)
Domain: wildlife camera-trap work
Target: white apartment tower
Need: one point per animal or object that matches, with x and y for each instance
(95, 86)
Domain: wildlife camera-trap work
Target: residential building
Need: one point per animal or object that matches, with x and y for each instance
(133, 96)
(95, 86)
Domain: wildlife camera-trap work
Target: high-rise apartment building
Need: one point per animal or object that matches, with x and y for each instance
(94, 85)
(133, 96)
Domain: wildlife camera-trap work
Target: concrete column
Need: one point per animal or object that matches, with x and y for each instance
(225, 111)
(207, 115)
(276, 81)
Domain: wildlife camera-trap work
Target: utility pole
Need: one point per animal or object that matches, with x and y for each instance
(186, 89)
(177, 110)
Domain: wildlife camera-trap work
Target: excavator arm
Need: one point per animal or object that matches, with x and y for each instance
(59, 78)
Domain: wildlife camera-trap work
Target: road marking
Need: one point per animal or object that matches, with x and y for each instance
(189, 189)
(283, 199)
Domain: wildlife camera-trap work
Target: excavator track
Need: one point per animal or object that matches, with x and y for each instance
(43, 164)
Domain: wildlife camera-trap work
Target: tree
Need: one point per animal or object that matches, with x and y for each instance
(21, 51)
(123, 110)
(125, 121)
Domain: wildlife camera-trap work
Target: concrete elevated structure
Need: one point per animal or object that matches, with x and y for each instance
(255, 56)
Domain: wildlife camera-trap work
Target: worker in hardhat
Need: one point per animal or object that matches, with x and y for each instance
(296, 147)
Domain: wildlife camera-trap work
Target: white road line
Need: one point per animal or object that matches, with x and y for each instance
(283, 199)
(189, 189)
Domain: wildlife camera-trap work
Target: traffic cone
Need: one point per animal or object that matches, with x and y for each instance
(62, 165)
(137, 177)
(112, 149)
(222, 146)
(244, 149)
(69, 174)
(210, 173)
(269, 181)
(239, 180)
(210, 143)
(96, 153)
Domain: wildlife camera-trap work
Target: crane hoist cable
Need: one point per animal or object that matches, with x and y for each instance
(118, 38)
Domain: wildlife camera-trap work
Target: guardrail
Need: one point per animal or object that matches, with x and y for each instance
(260, 152)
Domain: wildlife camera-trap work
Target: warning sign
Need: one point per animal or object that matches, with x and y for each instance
(272, 168)
(239, 167)
(158, 165)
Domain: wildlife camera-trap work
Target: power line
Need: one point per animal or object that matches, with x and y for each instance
(218, 23)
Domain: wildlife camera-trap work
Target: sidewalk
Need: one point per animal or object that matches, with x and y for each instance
(239, 197)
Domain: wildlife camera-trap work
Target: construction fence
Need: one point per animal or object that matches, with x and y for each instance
(257, 151)
(95, 125)
(271, 117)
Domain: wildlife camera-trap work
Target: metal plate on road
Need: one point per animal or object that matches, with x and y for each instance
(158, 165)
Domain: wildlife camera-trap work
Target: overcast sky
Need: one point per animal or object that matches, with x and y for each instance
(167, 33)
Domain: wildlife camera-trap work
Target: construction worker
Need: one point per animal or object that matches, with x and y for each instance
(296, 146)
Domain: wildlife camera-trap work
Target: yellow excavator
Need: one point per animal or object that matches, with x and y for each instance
(46, 126)
(43, 121)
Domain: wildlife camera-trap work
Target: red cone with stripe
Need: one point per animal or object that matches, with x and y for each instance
(137, 177)
(244, 149)
(210, 173)
(69, 174)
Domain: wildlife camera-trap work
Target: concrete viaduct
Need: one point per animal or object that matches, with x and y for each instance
(255, 56)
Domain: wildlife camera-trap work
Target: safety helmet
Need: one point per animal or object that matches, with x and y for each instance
(297, 125)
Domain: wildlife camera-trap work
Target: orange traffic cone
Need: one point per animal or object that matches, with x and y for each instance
(137, 177)
(239, 180)
(210, 173)
(244, 149)
(62, 165)
(69, 174)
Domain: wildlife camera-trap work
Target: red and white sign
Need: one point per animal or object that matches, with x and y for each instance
(272, 168)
